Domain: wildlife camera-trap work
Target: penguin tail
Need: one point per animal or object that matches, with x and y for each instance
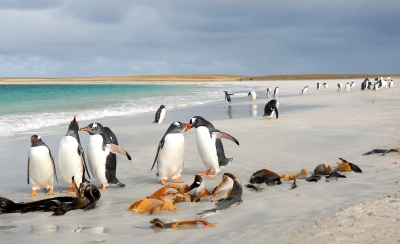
(227, 161)
(155, 122)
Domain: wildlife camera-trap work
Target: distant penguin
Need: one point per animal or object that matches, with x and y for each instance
(352, 85)
(369, 83)
(276, 91)
(271, 108)
(317, 86)
(347, 88)
(364, 85)
(269, 90)
(326, 86)
(41, 168)
(253, 96)
(227, 96)
(304, 90)
(339, 87)
(103, 145)
(160, 114)
(391, 84)
(209, 145)
(376, 86)
(71, 157)
(170, 156)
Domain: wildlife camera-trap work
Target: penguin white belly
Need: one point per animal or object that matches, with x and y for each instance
(207, 149)
(69, 161)
(41, 172)
(97, 158)
(171, 160)
(162, 115)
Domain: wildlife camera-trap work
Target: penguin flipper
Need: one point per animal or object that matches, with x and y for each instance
(117, 149)
(54, 165)
(220, 134)
(27, 171)
(83, 161)
(277, 114)
(159, 150)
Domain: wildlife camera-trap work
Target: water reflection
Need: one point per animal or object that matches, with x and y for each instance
(253, 110)
(229, 111)
(41, 229)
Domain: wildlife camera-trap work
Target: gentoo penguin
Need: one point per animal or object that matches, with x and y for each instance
(347, 88)
(317, 86)
(326, 87)
(253, 96)
(269, 90)
(209, 145)
(364, 85)
(391, 84)
(103, 145)
(339, 86)
(227, 97)
(304, 90)
(352, 85)
(271, 108)
(170, 155)
(71, 157)
(276, 91)
(376, 86)
(160, 114)
(41, 169)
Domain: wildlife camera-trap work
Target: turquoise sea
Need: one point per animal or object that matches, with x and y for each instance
(26, 107)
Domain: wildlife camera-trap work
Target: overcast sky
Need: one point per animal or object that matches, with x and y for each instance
(52, 38)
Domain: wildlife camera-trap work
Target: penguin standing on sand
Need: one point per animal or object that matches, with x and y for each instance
(326, 86)
(269, 90)
(391, 84)
(209, 145)
(41, 168)
(160, 114)
(253, 96)
(364, 85)
(103, 145)
(339, 86)
(71, 157)
(271, 108)
(352, 85)
(276, 91)
(227, 96)
(317, 86)
(347, 88)
(170, 155)
(304, 90)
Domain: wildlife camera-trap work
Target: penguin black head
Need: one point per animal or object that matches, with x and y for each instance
(176, 127)
(73, 128)
(163, 106)
(93, 128)
(36, 141)
(197, 121)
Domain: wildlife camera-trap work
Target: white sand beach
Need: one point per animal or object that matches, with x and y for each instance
(315, 128)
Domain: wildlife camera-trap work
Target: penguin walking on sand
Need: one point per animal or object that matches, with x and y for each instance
(227, 96)
(160, 114)
(103, 145)
(209, 144)
(391, 84)
(271, 108)
(269, 90)
(41, 170)
(352, 85)
(347, 88)
(326, 86)
(317, 86)
(364, 85)
(276, 91)
(71, 157)
(304, 90)
(170, 156)
(339, 87)
(253, 96)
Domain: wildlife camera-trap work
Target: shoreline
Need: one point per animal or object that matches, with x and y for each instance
(189, 78)
(315, 128)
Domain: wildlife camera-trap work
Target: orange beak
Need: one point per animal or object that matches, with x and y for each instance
(33, 138)
(84, 129)
(188, 126)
